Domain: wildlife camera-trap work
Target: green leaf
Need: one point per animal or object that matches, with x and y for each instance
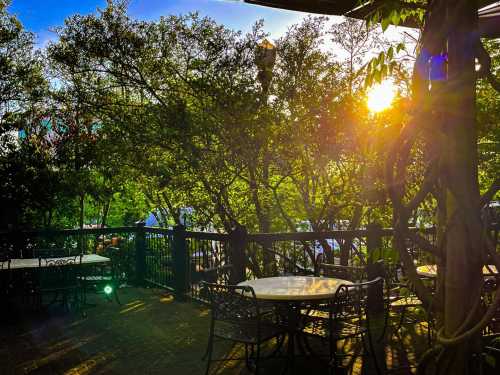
(385, 23)
(381, 58)
(395, 17)
(383, 71)
(390, 53)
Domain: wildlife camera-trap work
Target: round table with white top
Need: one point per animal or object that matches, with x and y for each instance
(295, 288)
(295, 292)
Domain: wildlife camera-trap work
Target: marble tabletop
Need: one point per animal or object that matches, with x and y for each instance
(295, 288)
(87, 259)
(430, 270)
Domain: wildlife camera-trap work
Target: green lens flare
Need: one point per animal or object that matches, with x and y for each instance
(108, 289)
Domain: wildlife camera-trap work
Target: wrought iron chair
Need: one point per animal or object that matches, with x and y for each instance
(56, 252)
(402, 300)
(59, 275)
(489, 290)
(237, 316)
(348, 318)
(6, 282)
(350, 273)
(217, 275)
(354, 274)
(106, 277)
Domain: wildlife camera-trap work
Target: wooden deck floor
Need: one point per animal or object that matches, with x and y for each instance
(149, 333)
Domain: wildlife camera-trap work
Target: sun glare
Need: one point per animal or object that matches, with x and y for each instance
(380, 96)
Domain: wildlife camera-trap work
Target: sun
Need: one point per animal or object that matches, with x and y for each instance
(380, 96)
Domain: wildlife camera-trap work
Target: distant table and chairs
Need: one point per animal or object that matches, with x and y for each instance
(430, 270)
(491, 279)
(54, 275)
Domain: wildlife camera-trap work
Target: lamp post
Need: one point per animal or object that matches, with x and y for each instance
(265, 57)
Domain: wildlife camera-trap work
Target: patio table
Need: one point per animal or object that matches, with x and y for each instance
(30, 265)
(295, 293)
(87, 259)
(430, 270)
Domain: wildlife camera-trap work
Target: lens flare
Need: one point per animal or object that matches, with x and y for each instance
(380, 96)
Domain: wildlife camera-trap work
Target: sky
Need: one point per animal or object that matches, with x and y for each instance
(40, 16)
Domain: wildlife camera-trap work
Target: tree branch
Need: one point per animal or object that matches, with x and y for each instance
(426, 188)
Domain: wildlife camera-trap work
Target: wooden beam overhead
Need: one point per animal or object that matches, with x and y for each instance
(330, 7)
(489, 12)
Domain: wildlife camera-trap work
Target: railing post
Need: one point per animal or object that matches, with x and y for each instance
(238, 240)
(373, 240)
(345, 250)
(376, 317)
(180, 260)
(140, 253)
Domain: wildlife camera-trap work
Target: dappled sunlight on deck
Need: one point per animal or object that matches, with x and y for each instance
(152, 333)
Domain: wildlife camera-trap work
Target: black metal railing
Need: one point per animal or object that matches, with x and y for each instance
(178, 259)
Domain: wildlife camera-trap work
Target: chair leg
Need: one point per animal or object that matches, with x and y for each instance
(429, 333)
(247, 358)
(372, 352)
(257, 360)
(208, 355)
(117, 299)
(401, 320)
(386, 323)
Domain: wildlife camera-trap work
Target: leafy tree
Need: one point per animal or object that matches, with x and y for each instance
(22, 87)
(444, 123)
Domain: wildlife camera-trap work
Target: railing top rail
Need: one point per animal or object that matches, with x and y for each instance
(335, 234)
(55, 232)
(159, 230)
(208, 236)
(257, 237)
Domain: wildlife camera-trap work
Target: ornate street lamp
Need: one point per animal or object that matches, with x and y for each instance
(265, 57)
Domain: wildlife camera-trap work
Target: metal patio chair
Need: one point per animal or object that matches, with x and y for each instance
(6, 282)
(402, 301)
(348, 318)
(237, 316)
(354, 274)
(58, 275)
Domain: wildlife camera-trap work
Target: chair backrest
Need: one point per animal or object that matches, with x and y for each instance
(57, 269)
(55, 252)
(349, 273)
(231, 303)
(218, 275)
(357, 300)
(4, 259)
(118, 262)
(5, 272)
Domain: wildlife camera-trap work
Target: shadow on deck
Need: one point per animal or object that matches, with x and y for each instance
(148, 334)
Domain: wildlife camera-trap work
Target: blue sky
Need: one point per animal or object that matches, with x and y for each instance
(40, 16)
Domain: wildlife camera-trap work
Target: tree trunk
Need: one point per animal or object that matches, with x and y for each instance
(463, 265)
(82, 207)
(105, 211)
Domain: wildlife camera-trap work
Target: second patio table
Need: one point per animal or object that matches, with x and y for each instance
(430, 270)
(295, 292)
